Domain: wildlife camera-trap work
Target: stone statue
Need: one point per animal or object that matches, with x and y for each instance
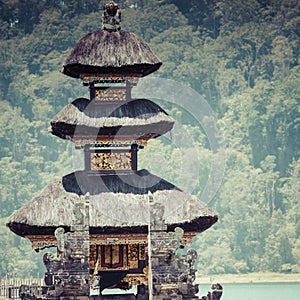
(52, 262)
(216, 294)
(111, 17)
(59, 235)
(178, 235)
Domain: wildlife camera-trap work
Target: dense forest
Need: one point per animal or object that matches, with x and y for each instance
(242, 57)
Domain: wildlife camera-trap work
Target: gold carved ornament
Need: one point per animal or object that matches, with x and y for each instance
(108, 258)
(109, 78)
(104, 141)
(111, 161)
(110, 94)
(133, 256)
(137, 279)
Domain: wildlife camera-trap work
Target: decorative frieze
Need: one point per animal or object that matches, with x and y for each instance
(105, 141)
(116, 239)
(109, 78)
(110, 94)
(42, 242)
(111, 161)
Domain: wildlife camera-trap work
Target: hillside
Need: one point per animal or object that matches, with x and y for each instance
(239, 110)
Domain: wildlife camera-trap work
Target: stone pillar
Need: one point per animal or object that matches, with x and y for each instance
(67, 274)
(172, 274)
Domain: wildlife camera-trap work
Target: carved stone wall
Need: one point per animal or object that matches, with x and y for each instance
(172, 274)
(67, 275)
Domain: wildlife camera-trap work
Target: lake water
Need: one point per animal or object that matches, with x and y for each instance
(249, 291)
(257, 291)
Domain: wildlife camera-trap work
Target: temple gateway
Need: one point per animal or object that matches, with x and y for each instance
(113, 225)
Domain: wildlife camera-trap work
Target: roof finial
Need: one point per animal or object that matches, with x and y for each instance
(111, 17)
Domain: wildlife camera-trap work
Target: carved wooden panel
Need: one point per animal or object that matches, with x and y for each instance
(112, 257)
(116, 257)
(41, 242)
(142, 252)
(93, 256)
(137, 279)
(111, 161)
(110, 94)
(133, 256)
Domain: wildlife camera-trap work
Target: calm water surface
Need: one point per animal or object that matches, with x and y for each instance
(249, 291)
(257, 291)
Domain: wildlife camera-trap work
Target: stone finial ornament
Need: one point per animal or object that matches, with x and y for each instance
(111, 17)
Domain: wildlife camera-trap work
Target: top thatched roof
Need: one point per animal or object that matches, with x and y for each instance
(118, 204)
(103, 52)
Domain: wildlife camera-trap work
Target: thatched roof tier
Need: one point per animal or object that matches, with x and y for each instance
(103, 53)
(136, 182)
(138, 118)
(118, 204)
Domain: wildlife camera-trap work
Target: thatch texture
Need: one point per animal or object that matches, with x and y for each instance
(136, 182)
(121, 208)
(103, 52)
(138, 118)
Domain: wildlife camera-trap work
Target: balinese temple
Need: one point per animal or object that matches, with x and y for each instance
(112, 225)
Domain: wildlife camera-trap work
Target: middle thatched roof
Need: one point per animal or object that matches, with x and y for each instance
(137, 118)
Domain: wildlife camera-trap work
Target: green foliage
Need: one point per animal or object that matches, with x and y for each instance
(242, 57)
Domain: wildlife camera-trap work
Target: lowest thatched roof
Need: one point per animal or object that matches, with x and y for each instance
(138, 118)
(118, 204)
(104, 52)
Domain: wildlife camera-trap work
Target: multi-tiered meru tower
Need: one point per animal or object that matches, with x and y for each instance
(114, 226)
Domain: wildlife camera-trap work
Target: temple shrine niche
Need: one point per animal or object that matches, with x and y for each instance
(113, 226)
